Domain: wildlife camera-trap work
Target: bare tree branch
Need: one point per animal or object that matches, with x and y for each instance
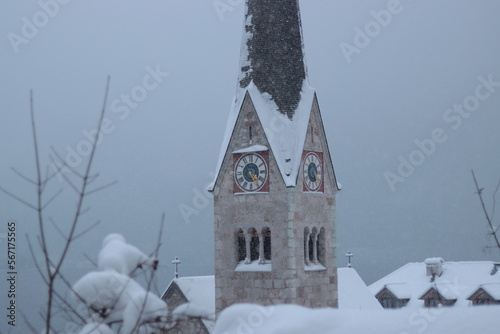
(488, 219)
(86, 230)
(51, 199)
(23, 176)
(101, 188)
(18, 198)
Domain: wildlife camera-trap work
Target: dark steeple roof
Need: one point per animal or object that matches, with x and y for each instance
(272, 52)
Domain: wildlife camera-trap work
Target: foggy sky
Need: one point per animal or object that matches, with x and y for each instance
(402, 85)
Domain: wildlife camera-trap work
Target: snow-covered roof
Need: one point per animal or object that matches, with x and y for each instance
(400, 290)
(353, 292)
(459, 280)
(493, 289)
(293, 319)
(199, 291)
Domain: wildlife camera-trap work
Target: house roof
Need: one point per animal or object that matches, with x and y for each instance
(199, 291)
(353, 292)
(493, 289)
(459, 281)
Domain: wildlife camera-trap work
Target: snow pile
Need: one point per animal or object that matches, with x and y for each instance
(96, 328)
(121, 257)
(112, 296)
(292, 319)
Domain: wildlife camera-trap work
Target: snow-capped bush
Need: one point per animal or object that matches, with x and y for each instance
(96, 328)
(113, 297)
(121, 257)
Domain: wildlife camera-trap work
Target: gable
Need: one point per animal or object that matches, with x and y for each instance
(285, 137)
(316, 140)
(245, 135)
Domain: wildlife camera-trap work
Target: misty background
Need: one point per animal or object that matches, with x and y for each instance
(375, 104)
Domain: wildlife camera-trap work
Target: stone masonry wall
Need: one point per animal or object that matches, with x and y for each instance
(287, 212)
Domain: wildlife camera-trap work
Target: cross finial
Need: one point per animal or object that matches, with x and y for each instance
(349, 255)
(176, 262)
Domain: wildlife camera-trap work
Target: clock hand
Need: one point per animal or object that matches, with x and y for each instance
(316, 180)
(254, 178)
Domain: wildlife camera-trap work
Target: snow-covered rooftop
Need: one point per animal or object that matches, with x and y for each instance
(459, 281)
(293, 319)
(199, 291)
(353, 292)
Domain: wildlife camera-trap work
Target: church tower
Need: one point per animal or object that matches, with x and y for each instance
(274, 190)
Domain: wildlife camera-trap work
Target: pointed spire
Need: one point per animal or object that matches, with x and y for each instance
(272, 52)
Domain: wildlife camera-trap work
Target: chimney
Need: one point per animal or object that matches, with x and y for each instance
(434, 266)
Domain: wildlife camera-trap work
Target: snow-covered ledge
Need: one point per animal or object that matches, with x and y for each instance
(314, 267)
(254, 266)
(254, 148)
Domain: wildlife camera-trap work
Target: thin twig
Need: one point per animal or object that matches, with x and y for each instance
(86, 230)
(23, 176)
(51, 199)
(18, 199)
(495, 201)
(490, 224)
(57, 228)
(151, 278)
(90, 260)
(101, 188)
(37, 265)
(28, 323)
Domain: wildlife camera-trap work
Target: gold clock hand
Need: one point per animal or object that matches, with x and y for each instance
(254, 178)
(315, 177)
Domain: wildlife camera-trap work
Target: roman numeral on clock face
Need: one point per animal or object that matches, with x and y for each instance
(312, 172)
(250, 172)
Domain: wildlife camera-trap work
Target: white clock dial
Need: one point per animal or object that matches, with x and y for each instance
(250, 172)
(313, 171)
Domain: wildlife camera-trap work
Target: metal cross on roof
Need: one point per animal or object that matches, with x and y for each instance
(349, 255)
(176, 262)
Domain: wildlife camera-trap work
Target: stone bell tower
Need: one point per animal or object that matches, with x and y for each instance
(274, 190)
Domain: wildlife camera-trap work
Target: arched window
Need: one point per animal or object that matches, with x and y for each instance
(321, 246)
(266, 234)
(254, 244)
(241, 245)
(314, 247)
(306, 245)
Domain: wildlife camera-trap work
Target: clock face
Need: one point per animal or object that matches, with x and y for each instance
(250, 172)
(313, 172)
